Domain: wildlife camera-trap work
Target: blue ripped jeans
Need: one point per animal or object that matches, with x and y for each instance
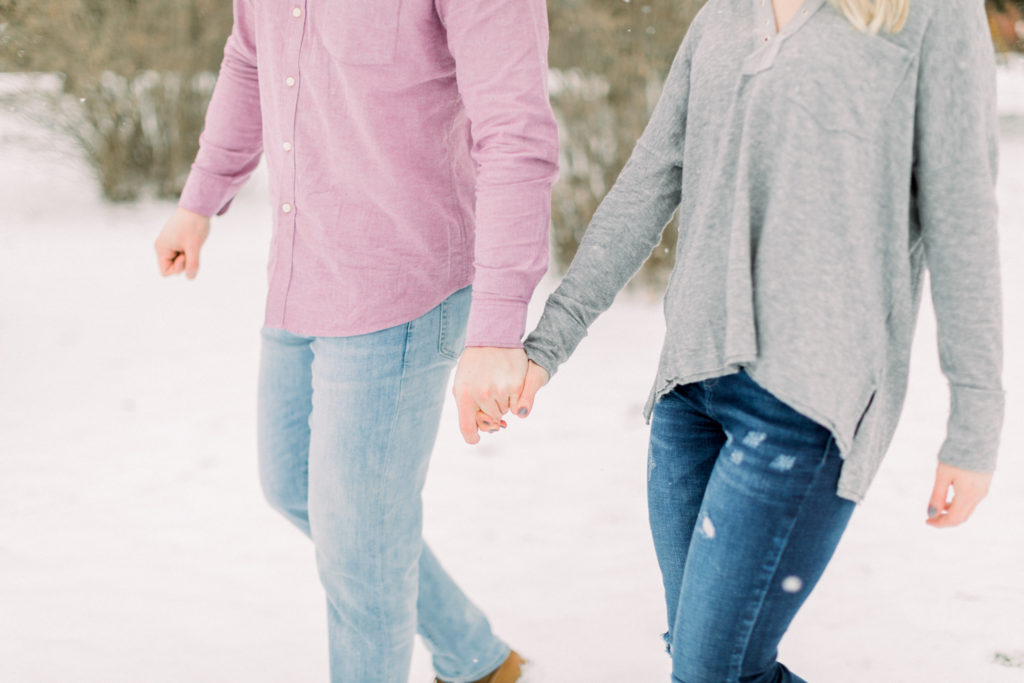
(346, 427)
(745, 517)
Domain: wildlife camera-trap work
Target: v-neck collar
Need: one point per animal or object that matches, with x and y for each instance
(768, 39)
(767, 30)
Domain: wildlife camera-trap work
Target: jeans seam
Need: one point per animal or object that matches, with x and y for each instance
(737, 657)
(386, 466)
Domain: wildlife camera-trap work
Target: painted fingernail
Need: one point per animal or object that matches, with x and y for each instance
(493, 431)
(486, 423)
(932, 511)
(522, 412)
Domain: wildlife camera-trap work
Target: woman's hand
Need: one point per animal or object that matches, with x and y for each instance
(969, 488)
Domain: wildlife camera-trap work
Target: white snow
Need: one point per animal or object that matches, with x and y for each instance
(135, 545)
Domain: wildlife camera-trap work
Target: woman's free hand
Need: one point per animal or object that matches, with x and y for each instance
(536, 377)
(969, 488)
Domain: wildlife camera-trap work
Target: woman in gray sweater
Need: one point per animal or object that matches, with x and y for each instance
(821, 154)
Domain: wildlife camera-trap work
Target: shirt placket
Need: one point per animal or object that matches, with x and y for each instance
(287, 210)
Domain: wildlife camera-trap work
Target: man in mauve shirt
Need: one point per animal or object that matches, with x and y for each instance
(411, 150)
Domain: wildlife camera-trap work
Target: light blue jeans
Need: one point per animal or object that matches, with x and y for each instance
(346, 428)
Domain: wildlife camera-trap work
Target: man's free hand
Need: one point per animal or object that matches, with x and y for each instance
(178, 244)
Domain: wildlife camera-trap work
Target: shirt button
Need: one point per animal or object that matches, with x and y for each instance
(297, 12)
(289, 81)
(287, 146)
(287, 208)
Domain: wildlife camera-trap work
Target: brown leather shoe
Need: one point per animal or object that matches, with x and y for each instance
(509, 671)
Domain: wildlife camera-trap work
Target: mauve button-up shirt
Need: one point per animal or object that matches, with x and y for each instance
(411, 150)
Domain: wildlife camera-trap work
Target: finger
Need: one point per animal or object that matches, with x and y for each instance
(502, 403)
(179, 263)
(938, 504)
(191, 259)
(467, 417)
(513, 400)
(165, 260)
(536, 377)
(957, 514)
(491, 408)
(485, 424)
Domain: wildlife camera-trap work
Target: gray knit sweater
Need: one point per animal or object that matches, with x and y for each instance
(816, 172)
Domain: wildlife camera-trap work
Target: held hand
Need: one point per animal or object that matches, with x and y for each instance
(536, 377)
(968, 490)
(178, 244)
(488, 380)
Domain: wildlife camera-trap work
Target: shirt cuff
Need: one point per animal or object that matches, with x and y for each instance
(555, 338)
(496, 322)
(207, 194)
(975, 423)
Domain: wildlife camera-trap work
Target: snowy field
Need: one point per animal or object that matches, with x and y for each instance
(135, 546)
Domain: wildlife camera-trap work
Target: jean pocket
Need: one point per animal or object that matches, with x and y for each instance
(451, 338)
(361, 32)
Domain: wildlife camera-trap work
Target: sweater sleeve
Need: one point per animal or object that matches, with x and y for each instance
(954, 173)
(625, 228)
(231, 143)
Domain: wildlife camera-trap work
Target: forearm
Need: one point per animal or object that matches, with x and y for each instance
(626, 227)
(956, 160)
(500, 52)
(962, 254)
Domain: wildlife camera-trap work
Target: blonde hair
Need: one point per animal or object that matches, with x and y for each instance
(873, 16)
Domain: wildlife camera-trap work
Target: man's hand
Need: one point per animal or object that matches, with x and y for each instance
(536, 377)
(488, 380)
(968, 490)
(178, 244)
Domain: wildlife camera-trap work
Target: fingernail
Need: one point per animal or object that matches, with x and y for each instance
(932, 511)
(492, 431)
(486, 423)
(522, 412)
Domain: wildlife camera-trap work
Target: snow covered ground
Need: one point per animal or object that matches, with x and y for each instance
(135, 545)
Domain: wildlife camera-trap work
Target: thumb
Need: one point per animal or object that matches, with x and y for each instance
(191, 248)
(937, 504)
(536, 377)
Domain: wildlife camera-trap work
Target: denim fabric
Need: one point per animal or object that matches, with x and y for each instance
(745, 517)
(346, 428)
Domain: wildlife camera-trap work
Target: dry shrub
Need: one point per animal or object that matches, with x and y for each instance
(136, 78)
(610, 60)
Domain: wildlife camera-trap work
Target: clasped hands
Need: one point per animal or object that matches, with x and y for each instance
(492, 382)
